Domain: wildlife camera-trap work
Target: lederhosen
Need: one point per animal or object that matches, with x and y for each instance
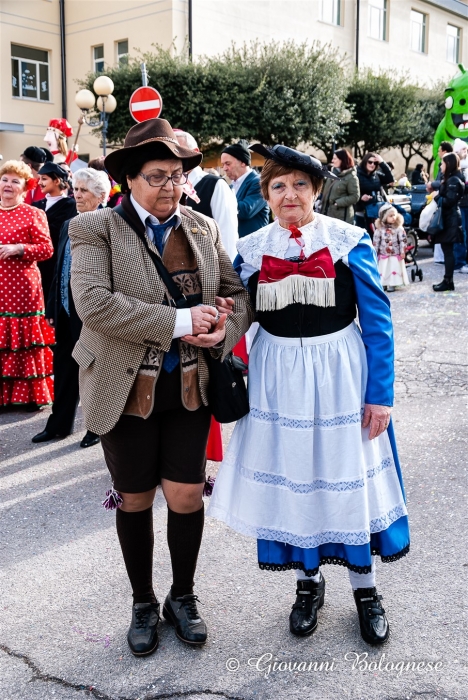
(163, 430)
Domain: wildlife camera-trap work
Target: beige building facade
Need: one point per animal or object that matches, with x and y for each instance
(46, 46)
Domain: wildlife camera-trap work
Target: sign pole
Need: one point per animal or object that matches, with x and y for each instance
(144, 75)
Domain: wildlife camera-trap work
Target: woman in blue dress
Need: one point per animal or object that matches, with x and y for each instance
(312, 471)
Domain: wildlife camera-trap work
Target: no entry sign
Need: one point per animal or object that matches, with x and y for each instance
(145, 103)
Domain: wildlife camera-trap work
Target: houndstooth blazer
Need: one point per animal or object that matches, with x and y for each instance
(118, 295)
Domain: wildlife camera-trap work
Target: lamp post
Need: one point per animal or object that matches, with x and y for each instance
(106, 104)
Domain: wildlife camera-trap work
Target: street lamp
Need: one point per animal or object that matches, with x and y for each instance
(106, 104)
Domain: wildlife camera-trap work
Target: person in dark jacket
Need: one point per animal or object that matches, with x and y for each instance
(252, 210)
(373, 173)
(418, 176)
(340, 195)
(451, 191)
(58, 208)
(91, 189)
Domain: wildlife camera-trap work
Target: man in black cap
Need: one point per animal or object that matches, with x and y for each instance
(252, 210)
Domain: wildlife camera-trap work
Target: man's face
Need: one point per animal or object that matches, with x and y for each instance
(441, 153)
(161, 201)
(233, 167)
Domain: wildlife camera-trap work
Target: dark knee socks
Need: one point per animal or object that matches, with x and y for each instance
(184, 535)
(135, 532)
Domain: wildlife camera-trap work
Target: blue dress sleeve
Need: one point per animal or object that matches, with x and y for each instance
(375, 321)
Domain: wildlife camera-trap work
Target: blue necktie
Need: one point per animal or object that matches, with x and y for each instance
(171, 358)
(159, 230)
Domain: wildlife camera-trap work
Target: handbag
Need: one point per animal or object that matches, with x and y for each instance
(436, 224)
(426, 214)
(227, 393)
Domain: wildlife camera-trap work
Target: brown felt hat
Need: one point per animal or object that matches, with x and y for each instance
(141, 137)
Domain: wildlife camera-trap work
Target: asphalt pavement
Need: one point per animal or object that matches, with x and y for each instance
(65, 601)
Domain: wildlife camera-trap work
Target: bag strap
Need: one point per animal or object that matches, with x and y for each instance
(178, 300)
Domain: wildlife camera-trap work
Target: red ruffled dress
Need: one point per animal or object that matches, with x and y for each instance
(26, 359)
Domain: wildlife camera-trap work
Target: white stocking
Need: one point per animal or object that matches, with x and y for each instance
(363, 580)
(300, 575)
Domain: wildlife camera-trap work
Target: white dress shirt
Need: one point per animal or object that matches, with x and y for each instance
(50, 201)
(237, 183)
(224, 210)
(183, 324)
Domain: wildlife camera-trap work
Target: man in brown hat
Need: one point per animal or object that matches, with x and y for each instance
(143, 375)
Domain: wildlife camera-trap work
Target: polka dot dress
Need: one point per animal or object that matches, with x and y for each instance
(26, 359)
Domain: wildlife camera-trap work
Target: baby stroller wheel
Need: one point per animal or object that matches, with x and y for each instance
(420, 275)
(412, 240)
(413, 275)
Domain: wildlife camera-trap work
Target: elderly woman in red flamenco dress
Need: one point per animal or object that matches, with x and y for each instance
(25, 336)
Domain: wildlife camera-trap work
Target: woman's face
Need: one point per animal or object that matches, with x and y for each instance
(85, 199)
(291, 198)
(49, 186)
(371, 165)
(12, 189)
(336, 162)
(161, 201)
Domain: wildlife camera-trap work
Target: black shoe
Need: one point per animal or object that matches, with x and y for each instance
(445, 286)
(142, 636)
(45, 436)
(310, 597)
(372, 619)
(90, 439)
(182, 614)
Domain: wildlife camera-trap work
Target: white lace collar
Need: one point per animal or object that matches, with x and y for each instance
(323, 232)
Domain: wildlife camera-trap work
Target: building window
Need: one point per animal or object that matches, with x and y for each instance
(453, 44)
(418, 31)
(331, 11)
(122, 52)
(98, 59)
(30, 73)
(378, 19)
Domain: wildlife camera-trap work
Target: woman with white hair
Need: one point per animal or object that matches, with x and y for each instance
(91, 188)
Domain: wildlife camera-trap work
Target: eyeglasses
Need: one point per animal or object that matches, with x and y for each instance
(161, 180)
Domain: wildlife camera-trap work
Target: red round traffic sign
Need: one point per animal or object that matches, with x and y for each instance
(145, 103)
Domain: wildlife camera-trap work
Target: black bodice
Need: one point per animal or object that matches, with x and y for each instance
(306, 321)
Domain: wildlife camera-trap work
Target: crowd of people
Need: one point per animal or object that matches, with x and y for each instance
(143, 272)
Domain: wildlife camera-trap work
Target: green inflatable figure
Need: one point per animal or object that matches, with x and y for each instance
(454, 125)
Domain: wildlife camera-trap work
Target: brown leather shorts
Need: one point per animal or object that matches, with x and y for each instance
(170, 444)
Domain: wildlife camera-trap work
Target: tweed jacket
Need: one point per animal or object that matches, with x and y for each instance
(118, 295)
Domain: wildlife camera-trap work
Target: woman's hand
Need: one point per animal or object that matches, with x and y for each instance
(209, 340)
(366, 197)
(377, 418)
(10, 250)
(203, 318)
(224, 305)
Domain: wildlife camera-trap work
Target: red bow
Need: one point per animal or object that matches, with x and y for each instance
(319, 264)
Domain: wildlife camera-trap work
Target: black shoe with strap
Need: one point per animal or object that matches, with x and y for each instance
(142, 636)
(372, 619)
(446, 285)
(310, 597)
(182, 614)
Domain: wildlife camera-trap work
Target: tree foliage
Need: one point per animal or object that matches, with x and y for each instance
(382, 107)
(426, 115)
(274, 93)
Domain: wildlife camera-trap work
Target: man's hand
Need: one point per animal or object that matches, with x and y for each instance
(377, 418)
(366, 197)
(224, 305)
(203, 318)
(208, 340)
(10, 250)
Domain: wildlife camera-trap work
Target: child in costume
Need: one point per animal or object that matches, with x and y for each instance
(390, 245)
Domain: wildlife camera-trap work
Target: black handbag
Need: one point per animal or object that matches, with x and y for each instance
(227, 393)
(436, 225)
